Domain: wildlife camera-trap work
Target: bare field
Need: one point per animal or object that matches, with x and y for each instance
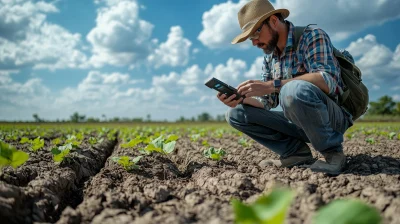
(184, 186)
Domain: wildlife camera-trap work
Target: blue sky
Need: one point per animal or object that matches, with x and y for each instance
(130, 58)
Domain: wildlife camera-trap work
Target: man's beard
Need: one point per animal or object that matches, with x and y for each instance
(271, 46)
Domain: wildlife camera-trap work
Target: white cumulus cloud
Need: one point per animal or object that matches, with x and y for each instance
(220, 25)
(174, 52)
(28, 40)
(120, 37)
(341, 18)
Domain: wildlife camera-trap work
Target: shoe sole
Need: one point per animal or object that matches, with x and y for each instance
(304, 162)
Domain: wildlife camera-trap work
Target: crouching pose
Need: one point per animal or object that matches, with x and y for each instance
(304, 78)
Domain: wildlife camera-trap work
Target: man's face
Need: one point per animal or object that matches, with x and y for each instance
(267, 39)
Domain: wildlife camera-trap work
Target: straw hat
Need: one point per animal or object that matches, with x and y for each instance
(252, 15)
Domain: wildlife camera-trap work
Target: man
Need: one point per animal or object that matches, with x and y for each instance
(306, 83)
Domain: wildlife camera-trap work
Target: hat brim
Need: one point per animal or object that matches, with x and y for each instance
(243, 36)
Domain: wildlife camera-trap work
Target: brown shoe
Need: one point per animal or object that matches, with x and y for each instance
(333, 164)
(300, 157)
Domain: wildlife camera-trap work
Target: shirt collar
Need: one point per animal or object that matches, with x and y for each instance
(290, 39)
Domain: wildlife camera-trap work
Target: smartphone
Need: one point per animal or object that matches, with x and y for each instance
(223, 88)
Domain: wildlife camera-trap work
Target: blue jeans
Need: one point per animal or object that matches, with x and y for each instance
(308, 116)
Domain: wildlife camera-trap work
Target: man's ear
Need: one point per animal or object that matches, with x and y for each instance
(274, 21)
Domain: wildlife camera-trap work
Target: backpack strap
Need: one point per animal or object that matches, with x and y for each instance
(298, 31)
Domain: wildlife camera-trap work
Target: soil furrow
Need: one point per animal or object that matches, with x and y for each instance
(46, 196)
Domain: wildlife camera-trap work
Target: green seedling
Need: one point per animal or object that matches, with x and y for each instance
(128, 163)
(56, 141)
(347, 211)
(268, 209)
(37, 144)
(25, 140)
(92, 141)
(60, 152)
(205, 143)
(161, 145)
(370, 140)
(73, 140)
(244, 142)
(214, 154)
(132, 143)
(10, 156)
(194, 137)
(391, 135)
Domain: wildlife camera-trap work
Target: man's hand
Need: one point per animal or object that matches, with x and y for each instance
(230, 102)
(255, 88)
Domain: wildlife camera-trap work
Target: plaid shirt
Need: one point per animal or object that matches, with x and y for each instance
(315, 54)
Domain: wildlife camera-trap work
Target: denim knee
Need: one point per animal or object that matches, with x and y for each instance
(235, 116)
(296, 93)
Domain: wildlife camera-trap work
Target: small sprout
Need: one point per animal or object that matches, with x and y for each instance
(347, 211)
(92, 141)
(370, 140)
(391, 135)
(24, 140)
(56, 141)
(128, 163)
(194, 137)
(271, 208)
(10, 156)
(205, 143)
(37, 144)
(214, 154)
(73, 140)
(244, 142)
(171, 138)
(132, 143)
(160, 145)
(60, 152)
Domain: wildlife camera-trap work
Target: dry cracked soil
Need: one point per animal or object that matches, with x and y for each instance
(186, 187)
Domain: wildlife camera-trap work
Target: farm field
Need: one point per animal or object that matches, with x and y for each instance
(163, 173)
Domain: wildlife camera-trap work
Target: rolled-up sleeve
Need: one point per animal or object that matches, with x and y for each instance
(319, 58)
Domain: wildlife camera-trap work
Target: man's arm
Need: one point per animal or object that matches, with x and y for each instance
(314, 78)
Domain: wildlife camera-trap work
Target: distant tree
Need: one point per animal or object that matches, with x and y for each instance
(204, 117)
(220, 118)
(397, 111)
(148, 118)
(126, 119)
(37, 118)
(104, 117)
(75, 117)
(92, 120)
(193, 119)
(181, 119)
(384, 106)
(139, 119)
(115, 119)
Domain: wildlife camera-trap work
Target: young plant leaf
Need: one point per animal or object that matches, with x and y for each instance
(24, 140)
(172, 138)
(61, 152)
(37, 144)
(92, 140)
(347, 211)
(214, 154)
(271, 208)
(169, 147)
(128, 163)
(10, 156)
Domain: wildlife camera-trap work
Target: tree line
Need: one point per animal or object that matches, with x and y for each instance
(80, 118)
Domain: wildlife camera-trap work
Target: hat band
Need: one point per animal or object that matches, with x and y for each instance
(249, 24)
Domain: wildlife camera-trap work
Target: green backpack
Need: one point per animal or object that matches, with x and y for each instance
(355, 97)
